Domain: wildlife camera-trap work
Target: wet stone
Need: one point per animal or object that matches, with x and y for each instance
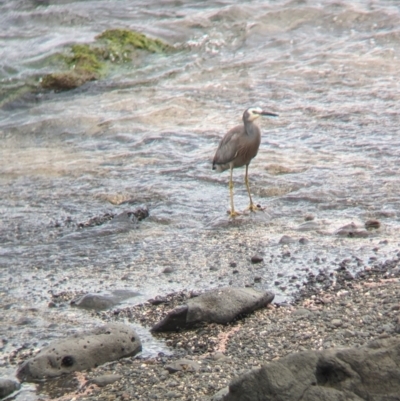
(182, 365)
(105, 380)
(256, 259)
(336, 322)
(308, 226)
(94, 301)
(286, 239)
(372, 224)
(81, 352)
(7, 387)
(352, 231)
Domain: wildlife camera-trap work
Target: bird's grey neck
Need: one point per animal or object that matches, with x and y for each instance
(251, 128)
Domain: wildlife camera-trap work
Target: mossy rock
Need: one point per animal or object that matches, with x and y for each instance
(67, 80)
(85, 58)
(90, 62)
(125, 38)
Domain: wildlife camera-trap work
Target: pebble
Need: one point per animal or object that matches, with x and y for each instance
(256, 259)
(104, 380)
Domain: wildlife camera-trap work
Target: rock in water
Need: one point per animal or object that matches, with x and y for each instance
(371, 373)
(94, 301)
(81, 352)
(221, 305)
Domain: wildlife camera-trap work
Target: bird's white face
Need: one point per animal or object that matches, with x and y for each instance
(254, 113)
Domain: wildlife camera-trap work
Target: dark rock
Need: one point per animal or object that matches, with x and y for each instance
(257, 279)
(81, 352)
(257, 259)
(8, 386)
(168, 270)
(158, 300)
(182, 365)
(372, 224)
(67, 80)
(221, 306)
(303, 240)
(233, 264)
(371, 372)
(105, 380)
(135, 215)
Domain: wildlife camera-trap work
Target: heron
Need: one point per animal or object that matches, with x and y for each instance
(238, 147)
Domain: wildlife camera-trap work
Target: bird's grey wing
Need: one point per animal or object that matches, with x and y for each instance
(229, 146)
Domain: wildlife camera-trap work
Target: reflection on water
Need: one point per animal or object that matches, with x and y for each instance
(146, 136)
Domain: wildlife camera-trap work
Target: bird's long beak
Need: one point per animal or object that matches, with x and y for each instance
(269, 114)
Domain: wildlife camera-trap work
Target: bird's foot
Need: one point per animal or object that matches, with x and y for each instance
(233, 214)
(254, 208)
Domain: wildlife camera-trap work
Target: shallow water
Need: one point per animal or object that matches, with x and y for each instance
(146, 135)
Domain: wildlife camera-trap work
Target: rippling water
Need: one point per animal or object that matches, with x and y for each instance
(147, 134)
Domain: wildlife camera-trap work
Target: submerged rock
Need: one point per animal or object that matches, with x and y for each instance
(94, 301)
(372, 224)
(371, 373)
(221, 305)
(352, 231)
(82, 351)
(8, 386)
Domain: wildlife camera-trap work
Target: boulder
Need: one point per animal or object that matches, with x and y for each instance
(369, 373)
(81, 352)
(8, 386)
(221, 305)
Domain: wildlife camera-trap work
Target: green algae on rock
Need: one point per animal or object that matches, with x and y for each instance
(89, 62)
(124, 39)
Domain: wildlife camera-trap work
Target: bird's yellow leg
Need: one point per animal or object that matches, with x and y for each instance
(252, 207)
(232, 213)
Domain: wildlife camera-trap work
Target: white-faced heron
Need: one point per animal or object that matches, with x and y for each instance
(238, 147)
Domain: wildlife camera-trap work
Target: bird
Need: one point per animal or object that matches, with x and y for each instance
(238, 147)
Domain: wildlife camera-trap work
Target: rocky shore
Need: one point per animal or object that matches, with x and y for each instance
(336, 311)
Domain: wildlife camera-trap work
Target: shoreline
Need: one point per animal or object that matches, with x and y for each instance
(341, 311)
